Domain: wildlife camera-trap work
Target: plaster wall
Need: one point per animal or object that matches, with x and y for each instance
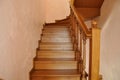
(109, 21)
(56, 10)
(20, 27)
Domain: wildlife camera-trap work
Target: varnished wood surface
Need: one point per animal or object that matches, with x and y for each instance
(80, 21)
(56, 43)
(55, 54)
(55, 39)
(54, 59)
(50, 72)
(88, 13)
(61, 35)
(89, 9)
(78, 15)
(94, 55)
(55, 26)
(88, 3)
(55, 65)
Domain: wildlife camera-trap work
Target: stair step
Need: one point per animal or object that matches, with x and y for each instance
(55, 75)
(56, 46)
(57, 39)
(57, 29)
(55, 59)
(55, 64)
(56, 35)
(66, 72)
(56, 26)
(56, 54)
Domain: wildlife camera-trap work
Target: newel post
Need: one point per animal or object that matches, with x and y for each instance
(94, 53)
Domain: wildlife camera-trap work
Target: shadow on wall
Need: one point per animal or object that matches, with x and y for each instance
(106, 12)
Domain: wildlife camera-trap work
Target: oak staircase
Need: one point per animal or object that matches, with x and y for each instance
(62, 50)
(55, 58)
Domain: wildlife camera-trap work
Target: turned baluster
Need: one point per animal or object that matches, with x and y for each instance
(84, 58)
(80, 61)
(77, 41)
(72, 26)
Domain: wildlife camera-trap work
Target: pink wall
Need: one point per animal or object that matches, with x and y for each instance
(56, 10)
(20, 27)
(110, 40)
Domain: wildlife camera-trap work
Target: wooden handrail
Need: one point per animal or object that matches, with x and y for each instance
(80, 20)
(80, 33)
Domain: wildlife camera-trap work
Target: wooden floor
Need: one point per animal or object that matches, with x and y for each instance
(55, 58)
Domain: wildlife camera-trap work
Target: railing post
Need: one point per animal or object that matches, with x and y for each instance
(94, 53)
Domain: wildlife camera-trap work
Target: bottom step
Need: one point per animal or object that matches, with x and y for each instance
(56, 78)
(55, 75)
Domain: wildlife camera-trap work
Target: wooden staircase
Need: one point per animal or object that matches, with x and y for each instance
(61, 54)
(55, 59)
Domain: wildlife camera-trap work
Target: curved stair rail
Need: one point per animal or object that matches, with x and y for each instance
(80, 33)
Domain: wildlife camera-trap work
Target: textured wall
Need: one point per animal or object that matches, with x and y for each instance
(110, 40)
(20, 27)
(56, 10)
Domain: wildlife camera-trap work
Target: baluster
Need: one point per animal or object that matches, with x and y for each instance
(80, 53)
(71, 23)
(84, 58)
(81, 38)
(74, 33)
(72, 26)
(77, 41)
(79, 59)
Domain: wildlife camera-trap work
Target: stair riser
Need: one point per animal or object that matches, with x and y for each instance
(55, 59)
(56, 78)
(56, 35)
(56, 47)
(51, 31)
(56, 54)
(56, 29)
(48, 39)
(55, 65)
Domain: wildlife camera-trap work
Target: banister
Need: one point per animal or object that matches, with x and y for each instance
(80, 20)
(80, 33)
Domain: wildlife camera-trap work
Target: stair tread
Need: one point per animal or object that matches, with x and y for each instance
(57, 51)
(47, 33)
(49, 26)
(55, 54)
(69, 72)
(56, 43)
(55, 37)
(62, 28)
(54, 59)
